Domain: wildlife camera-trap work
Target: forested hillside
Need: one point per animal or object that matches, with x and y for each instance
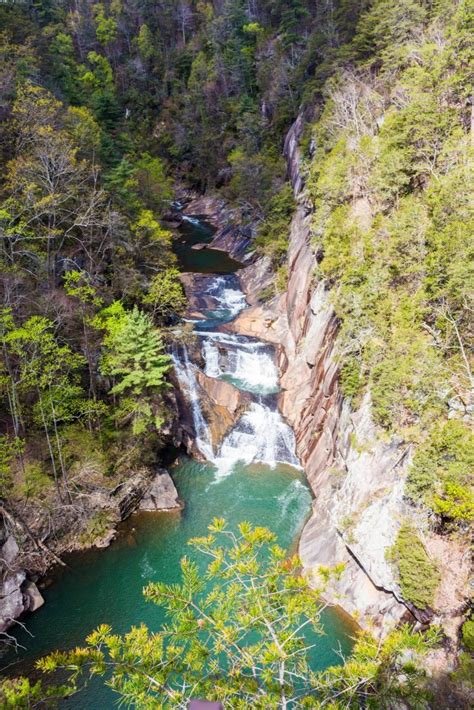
(391, 162)
(104, 108)
(108, 111)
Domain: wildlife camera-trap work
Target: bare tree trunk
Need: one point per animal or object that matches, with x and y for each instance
(50, 448)
(59, 448)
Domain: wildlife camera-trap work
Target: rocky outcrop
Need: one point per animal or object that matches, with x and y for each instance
(22, 561)
(17, 593)
(161, 495)
(211, 207)
(223, 405)
(231, 236)
(235, 241)
(357, 480)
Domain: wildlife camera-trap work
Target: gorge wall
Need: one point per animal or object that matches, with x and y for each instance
(357, 479)
(357, 473)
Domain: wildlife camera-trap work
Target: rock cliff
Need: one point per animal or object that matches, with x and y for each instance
(357, 479)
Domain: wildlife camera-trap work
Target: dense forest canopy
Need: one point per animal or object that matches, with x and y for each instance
(107, 109)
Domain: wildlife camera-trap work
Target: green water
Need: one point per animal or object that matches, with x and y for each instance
(106, 586)
(204, 261)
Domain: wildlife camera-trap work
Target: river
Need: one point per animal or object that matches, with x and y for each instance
(254, 475)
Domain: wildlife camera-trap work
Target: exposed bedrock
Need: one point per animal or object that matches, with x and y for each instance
(357, 480)
(231, 236)
(222, 404)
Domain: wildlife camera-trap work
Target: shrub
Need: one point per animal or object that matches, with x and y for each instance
(441, 474)
(418, 575)
(36, 482)
(96, 528)
(468, 634)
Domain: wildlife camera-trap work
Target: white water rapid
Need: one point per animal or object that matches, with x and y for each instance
(247, 364)
(260, 435)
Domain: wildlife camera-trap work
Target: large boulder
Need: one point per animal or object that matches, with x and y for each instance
(161, 495)
(34, 599)
(12, 601)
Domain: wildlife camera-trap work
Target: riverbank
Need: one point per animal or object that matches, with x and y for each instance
(248, 472)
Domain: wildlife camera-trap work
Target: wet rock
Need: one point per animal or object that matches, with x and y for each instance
(256, 279)
(34, 598)
(196, 289)
(234, 240)
(212, 208)
(161, 495)
(223, 404)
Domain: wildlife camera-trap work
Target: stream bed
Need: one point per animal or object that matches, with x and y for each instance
(253, 475)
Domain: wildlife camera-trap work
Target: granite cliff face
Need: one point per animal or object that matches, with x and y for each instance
(356, 479)
(357, 475)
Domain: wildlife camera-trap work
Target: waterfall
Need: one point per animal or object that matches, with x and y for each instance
(248, 364)
(228, 296)
(211, 358)
(191, 220)
(187, 379)
(260, 436)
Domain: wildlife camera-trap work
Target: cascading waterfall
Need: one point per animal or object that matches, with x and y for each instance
(229, 298)
(247, 364)
(260, 435)
(187, 379)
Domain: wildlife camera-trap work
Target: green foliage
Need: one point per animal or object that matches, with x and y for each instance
(10, 448)
(86, 453)
(77, 284)
(83, 129)
(391, 225)
(351, 377)
(97, 527)
(386, 26)
(153, 185)
(145, 42)
(273, 233)
(441, 474)
(240, 632)
(418, 575)
(22, 693)
(165, 295)
(36, 483)
(150, 234)
(134, 351)
(98, 89)
(106, 27)
(255, 178)
(468, 634)
(383, 674)
(464, 673)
